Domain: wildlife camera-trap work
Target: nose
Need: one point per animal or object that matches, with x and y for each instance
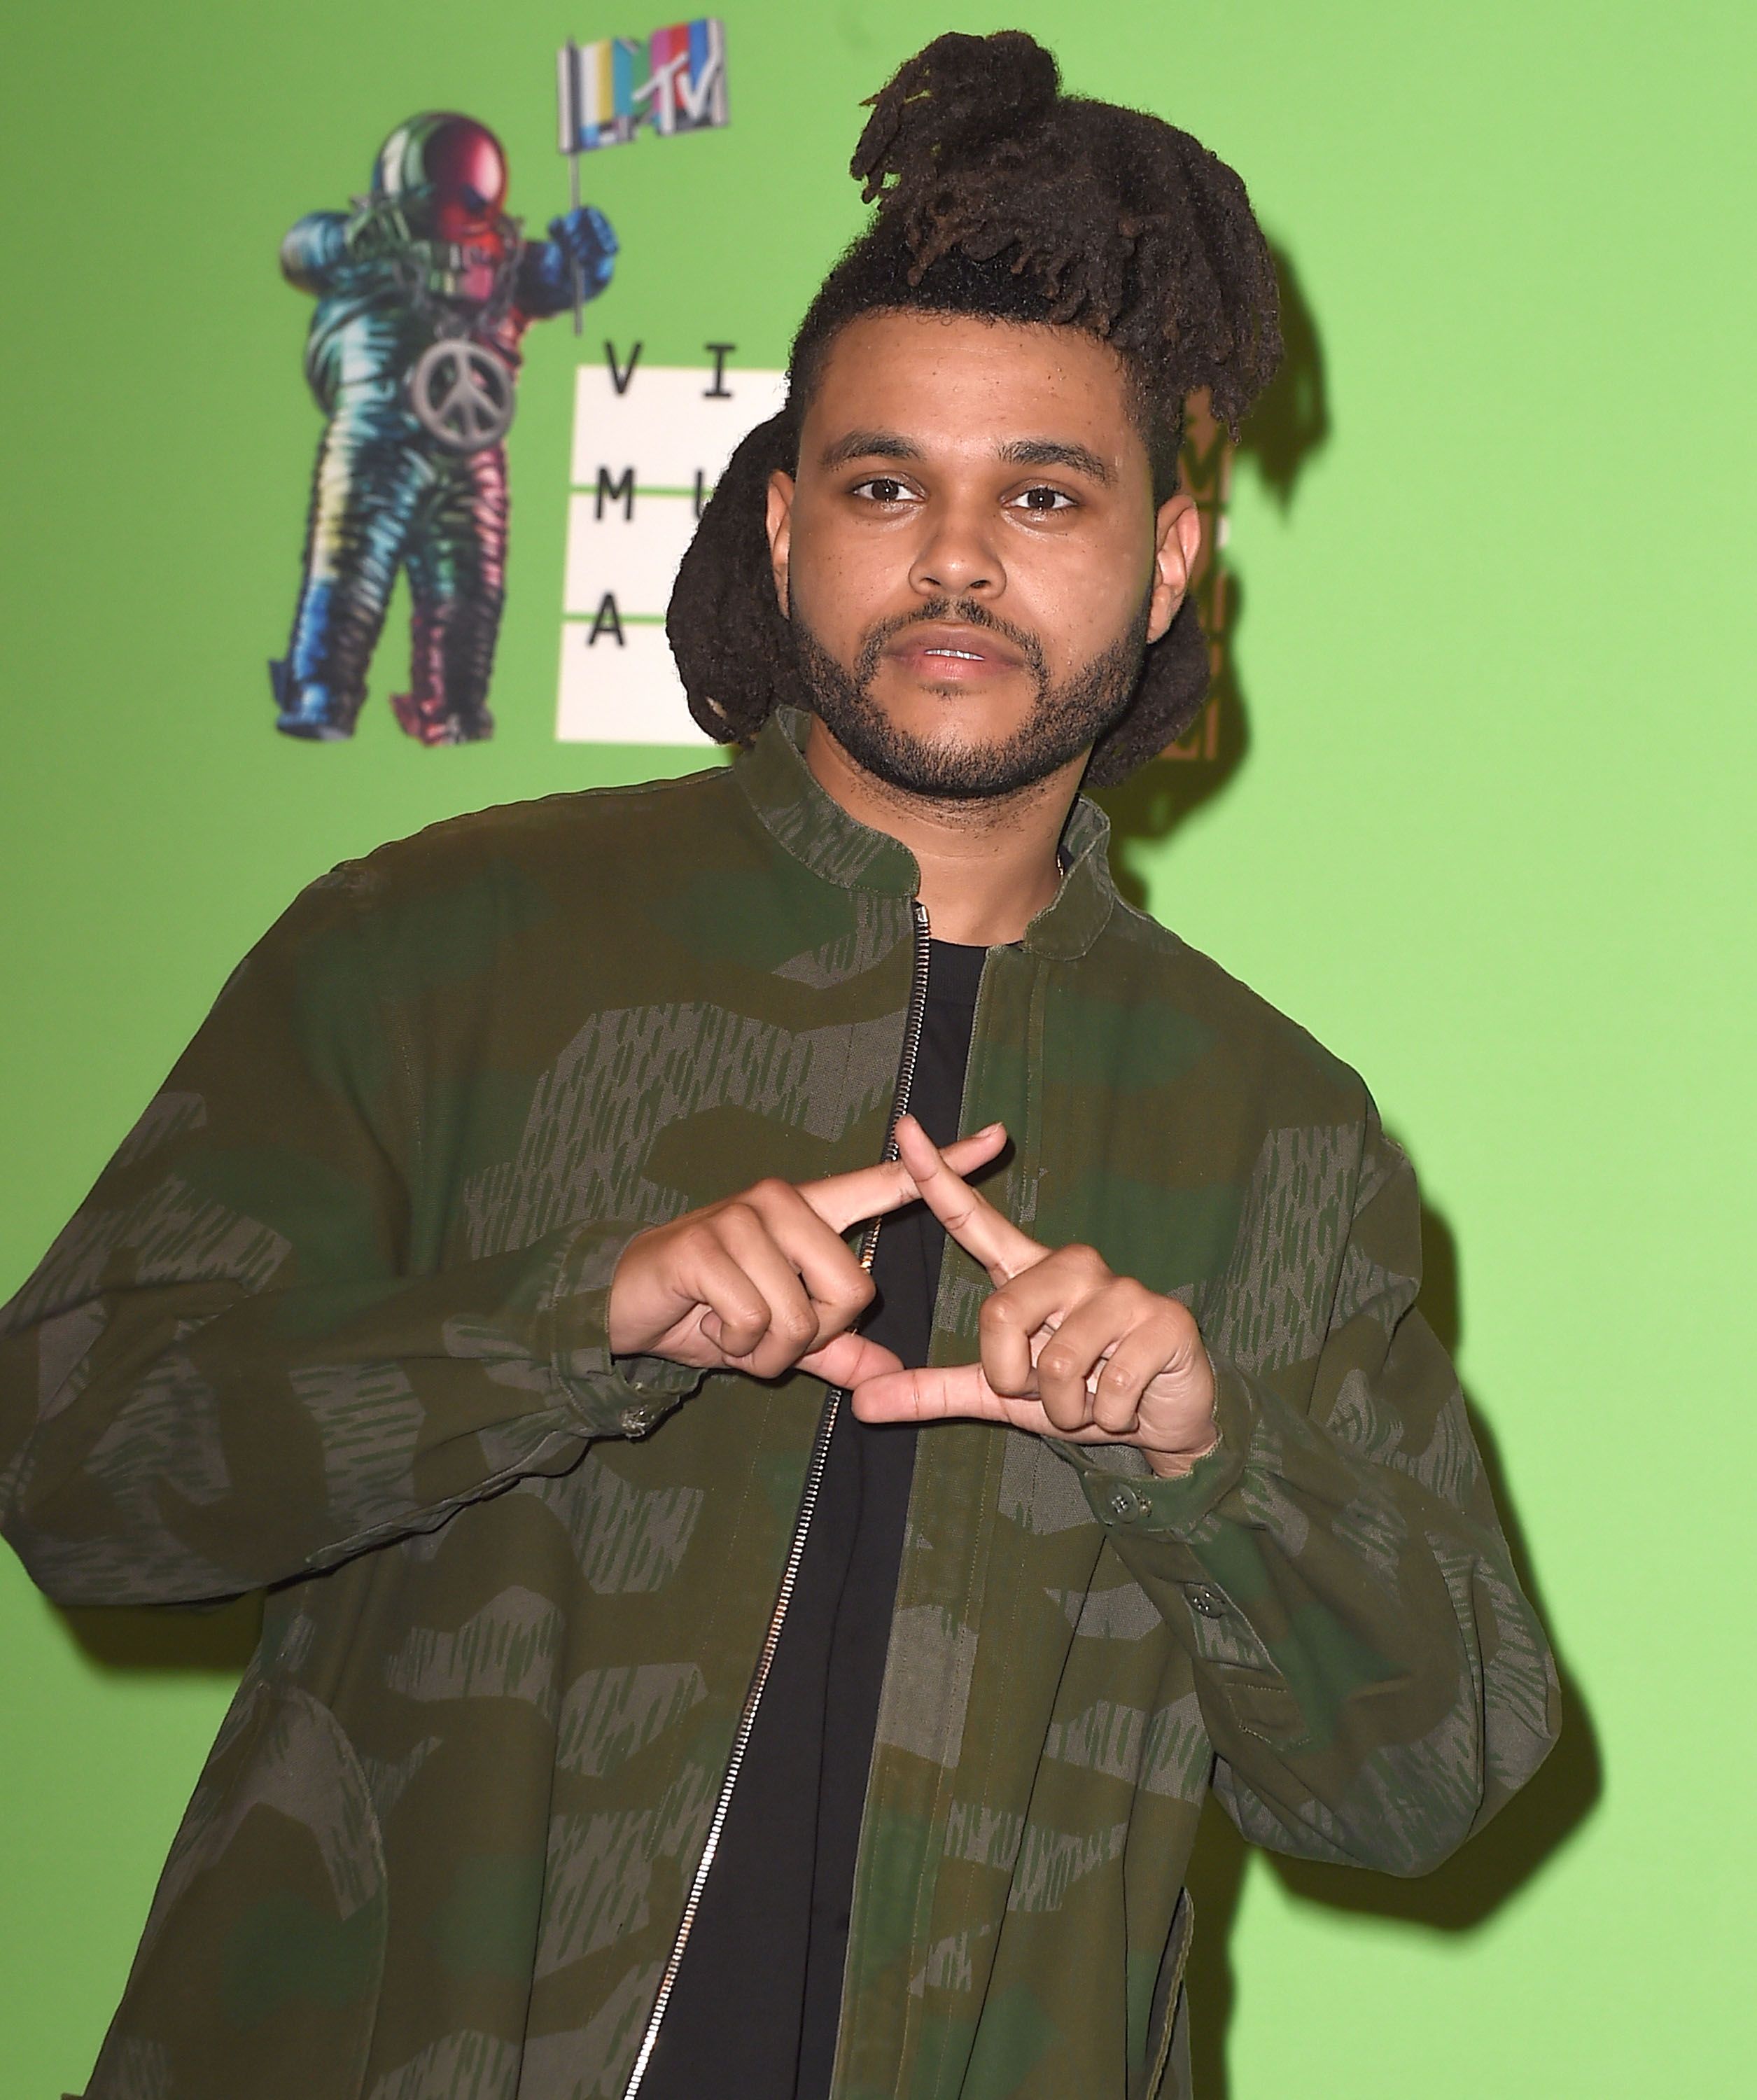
(957, 557)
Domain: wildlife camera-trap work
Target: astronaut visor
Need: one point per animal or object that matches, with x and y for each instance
(465, 168)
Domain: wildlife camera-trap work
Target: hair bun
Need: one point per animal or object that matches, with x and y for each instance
(952, 103)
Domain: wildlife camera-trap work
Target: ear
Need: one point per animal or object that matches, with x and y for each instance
(780, 524)
(1177, 550)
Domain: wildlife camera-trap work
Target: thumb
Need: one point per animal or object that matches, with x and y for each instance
(847, 1360)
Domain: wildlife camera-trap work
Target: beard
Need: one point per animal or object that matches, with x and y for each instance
(1065, 720)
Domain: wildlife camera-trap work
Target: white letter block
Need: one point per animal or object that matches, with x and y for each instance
(668, 425)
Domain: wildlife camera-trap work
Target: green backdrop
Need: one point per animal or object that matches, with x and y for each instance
(1480, 824)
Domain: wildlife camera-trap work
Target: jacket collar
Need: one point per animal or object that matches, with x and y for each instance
(818, 831)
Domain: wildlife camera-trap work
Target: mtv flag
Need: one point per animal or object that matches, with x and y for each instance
(649, 444)
(676, 82)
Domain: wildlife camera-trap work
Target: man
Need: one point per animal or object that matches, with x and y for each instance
(713, 1643)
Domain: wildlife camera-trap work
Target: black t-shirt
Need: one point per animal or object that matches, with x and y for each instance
(758, 1995)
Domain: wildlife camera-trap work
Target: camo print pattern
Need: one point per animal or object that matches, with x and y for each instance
(332, 1323)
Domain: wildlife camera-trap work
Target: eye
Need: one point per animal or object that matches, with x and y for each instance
(882, 488)
(1043, 501)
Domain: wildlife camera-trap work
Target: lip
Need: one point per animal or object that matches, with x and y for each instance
(948, 652)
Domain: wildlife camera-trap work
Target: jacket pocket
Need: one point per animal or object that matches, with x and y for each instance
(1167, 2028)
(1264, 1706)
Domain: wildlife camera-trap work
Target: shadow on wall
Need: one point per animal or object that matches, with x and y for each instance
(211, 1643)
(1289, 425)
(1472, 1885)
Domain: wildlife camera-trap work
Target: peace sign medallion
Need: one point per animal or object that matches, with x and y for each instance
(461, 394)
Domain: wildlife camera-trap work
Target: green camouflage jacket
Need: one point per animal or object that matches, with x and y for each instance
(332, 1323)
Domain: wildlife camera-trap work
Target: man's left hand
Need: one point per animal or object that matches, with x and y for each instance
(1069, 1348)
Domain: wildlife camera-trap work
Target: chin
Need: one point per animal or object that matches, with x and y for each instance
(949, 716)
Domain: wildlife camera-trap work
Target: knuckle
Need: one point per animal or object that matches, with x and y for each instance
(796, 1323)
(999, 1313)
(1058, 1363)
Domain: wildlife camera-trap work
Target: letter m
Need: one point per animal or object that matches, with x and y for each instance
(621, 491)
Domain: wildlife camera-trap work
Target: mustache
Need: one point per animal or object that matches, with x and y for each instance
(968, 613)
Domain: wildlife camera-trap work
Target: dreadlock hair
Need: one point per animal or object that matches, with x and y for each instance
(1000, 196)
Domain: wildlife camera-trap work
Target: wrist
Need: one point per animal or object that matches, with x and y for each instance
(1174, 1465)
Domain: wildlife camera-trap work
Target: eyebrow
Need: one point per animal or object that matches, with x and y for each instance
(1017, 451)
(1058, 452)
(869, 444)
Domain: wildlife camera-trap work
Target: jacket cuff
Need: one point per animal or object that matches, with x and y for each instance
(612, 1396)
(1144, 1504)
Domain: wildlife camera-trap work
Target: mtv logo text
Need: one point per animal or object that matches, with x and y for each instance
(649, 444)
(675, 82)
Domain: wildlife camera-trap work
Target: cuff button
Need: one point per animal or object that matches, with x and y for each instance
(1128, 1503)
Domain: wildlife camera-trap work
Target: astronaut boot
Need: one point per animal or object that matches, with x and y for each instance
(431, 719)
(320, 713)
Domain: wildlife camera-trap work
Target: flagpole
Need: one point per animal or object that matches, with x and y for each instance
(573, 188)
(570, 125)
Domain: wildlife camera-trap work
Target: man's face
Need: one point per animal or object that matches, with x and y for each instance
(970, 553)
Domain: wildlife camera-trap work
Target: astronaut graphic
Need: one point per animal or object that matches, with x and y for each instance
(424, 289)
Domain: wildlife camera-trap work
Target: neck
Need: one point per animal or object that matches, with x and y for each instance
(988, 866)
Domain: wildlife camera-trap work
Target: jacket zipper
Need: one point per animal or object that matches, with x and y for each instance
(912, 1045)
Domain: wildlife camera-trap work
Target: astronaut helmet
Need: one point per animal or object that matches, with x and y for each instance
(446, 172)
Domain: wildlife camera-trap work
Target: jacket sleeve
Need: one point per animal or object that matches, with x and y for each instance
(228, 1370)
(1373, 1681)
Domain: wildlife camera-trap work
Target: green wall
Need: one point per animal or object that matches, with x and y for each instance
(1479, 828)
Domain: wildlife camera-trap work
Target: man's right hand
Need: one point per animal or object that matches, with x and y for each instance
(763, 1282)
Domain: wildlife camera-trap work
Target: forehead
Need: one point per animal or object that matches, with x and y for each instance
(954, 381)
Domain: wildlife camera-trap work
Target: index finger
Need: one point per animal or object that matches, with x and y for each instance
(843, 1200)
(971, 1219)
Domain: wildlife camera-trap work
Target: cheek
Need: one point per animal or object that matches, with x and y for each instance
(1078, 598)
(841, 583)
